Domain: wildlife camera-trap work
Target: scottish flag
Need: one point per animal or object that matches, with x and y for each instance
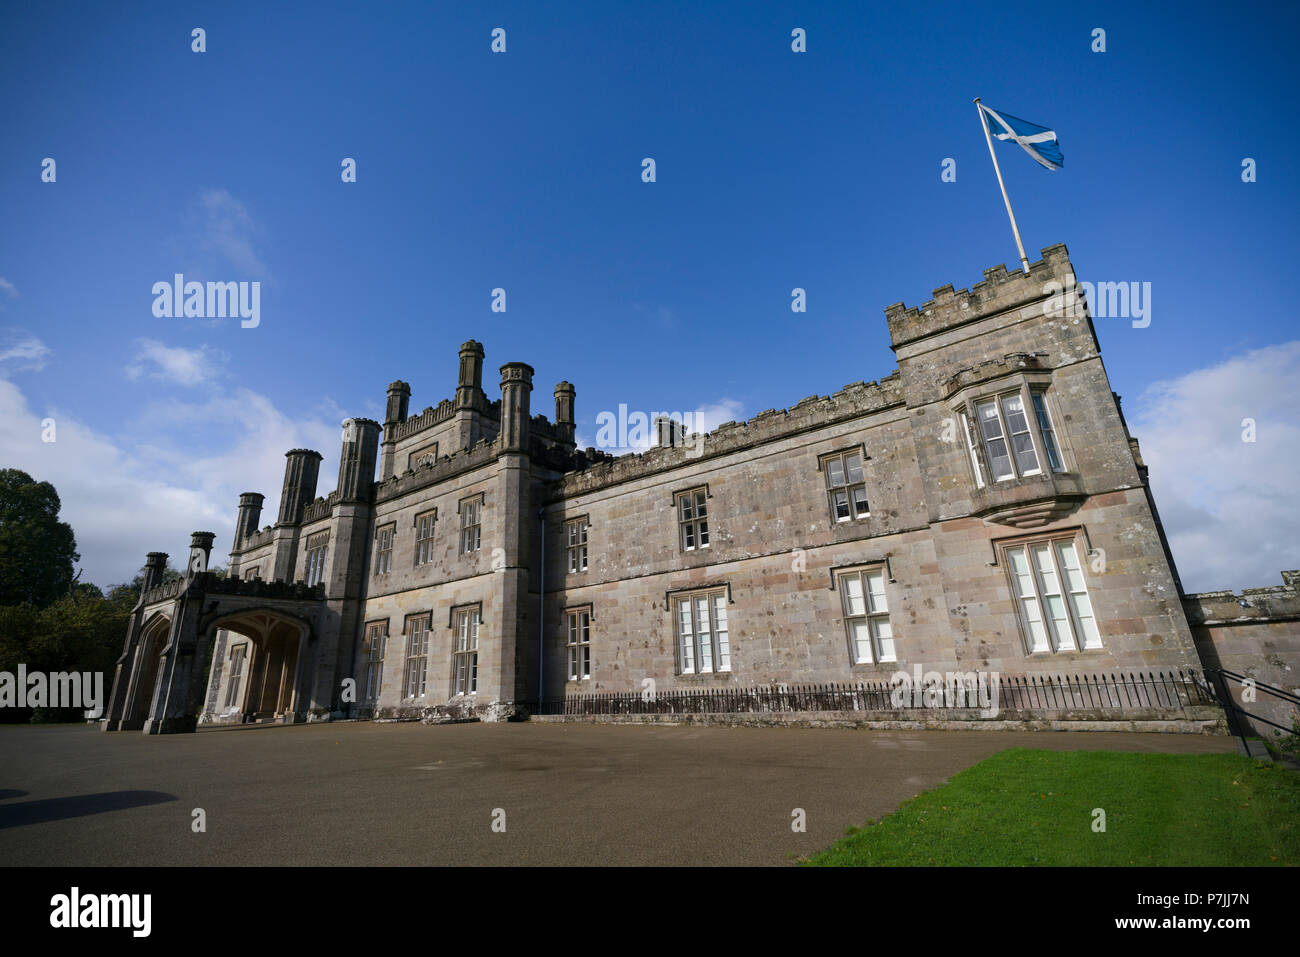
(1038, 141)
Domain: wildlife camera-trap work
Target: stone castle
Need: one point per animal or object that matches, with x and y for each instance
(982, 508)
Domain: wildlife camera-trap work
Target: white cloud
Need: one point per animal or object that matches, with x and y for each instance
(1228, 505)
(20, 351)
(175, 364)
(9, 288)
(126, 497)
(230, 231)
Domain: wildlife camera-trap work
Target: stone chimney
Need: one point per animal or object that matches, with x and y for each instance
(564, 424)
(469, 387)
(399, 402)
(669, 432)
(301, 469)
(155, 563)
(200, 552)
(357, 459)
(250, 513)
(516, 384)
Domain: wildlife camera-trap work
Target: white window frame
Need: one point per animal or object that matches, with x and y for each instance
(578, 643)
(471, 524)
(1050, 589)
(693, 518)
(847, 486)
(575, 538)
(424, 528)
(1044, 441)
(415, 672)
(376, 646)
(235, 675)
(867, 624)
(701, 622)
(464, 658)
(1046, 430)
(384, 536)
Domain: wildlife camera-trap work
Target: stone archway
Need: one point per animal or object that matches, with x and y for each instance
(269, 686)
(147, 666)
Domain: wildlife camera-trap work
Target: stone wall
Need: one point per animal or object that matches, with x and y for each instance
(1255, 633)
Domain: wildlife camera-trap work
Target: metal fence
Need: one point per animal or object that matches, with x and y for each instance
(1135, 691)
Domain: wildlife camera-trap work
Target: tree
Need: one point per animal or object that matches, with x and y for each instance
(37, 551)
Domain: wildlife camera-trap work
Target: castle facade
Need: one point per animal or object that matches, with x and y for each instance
(982, 508)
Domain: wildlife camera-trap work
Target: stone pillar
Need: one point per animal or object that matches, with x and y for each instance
(516, 384)
(564, 423)
(399, 402)
(301, 469)
(250, 513)
(357, 459)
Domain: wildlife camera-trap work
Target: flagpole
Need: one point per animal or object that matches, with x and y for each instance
(1024, 260)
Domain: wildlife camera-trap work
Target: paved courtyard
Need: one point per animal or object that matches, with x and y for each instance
(407, 794)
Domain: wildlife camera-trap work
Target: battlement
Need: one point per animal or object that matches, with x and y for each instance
(1273, 602)
(320, 508)
(431, 473)
(854, 400)
(1000, 292)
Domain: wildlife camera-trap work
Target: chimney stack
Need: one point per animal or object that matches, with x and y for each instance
(301, 469)
(564, 424)
(469, 387)
(516, 384)
(250, 513)
(357, 459)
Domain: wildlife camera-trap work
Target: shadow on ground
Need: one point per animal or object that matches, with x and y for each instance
(58, 809)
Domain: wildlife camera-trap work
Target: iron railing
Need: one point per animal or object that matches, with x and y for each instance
(1135, 691)
(1222, 677)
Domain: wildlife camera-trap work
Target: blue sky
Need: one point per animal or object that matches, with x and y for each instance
(522, 170)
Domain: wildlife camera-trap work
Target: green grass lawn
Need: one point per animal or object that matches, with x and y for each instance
(1029, 807)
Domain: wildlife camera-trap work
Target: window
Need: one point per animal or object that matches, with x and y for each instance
(974, 451)
(866, 616)
(235, 675)
(424, 537)
(845, 486)
(693, 518)
(317, 551)
(702, 642)
(376, 643)
(575, 538)
(1013, 444)
(384, 549)
(252, 573)
(579, 644)
(471, 517)
(425, 456)
(417, 656)
(1047, 432)
(1055, 611)
(464, 666)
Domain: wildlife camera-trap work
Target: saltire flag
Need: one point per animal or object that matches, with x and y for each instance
(1038, 141)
